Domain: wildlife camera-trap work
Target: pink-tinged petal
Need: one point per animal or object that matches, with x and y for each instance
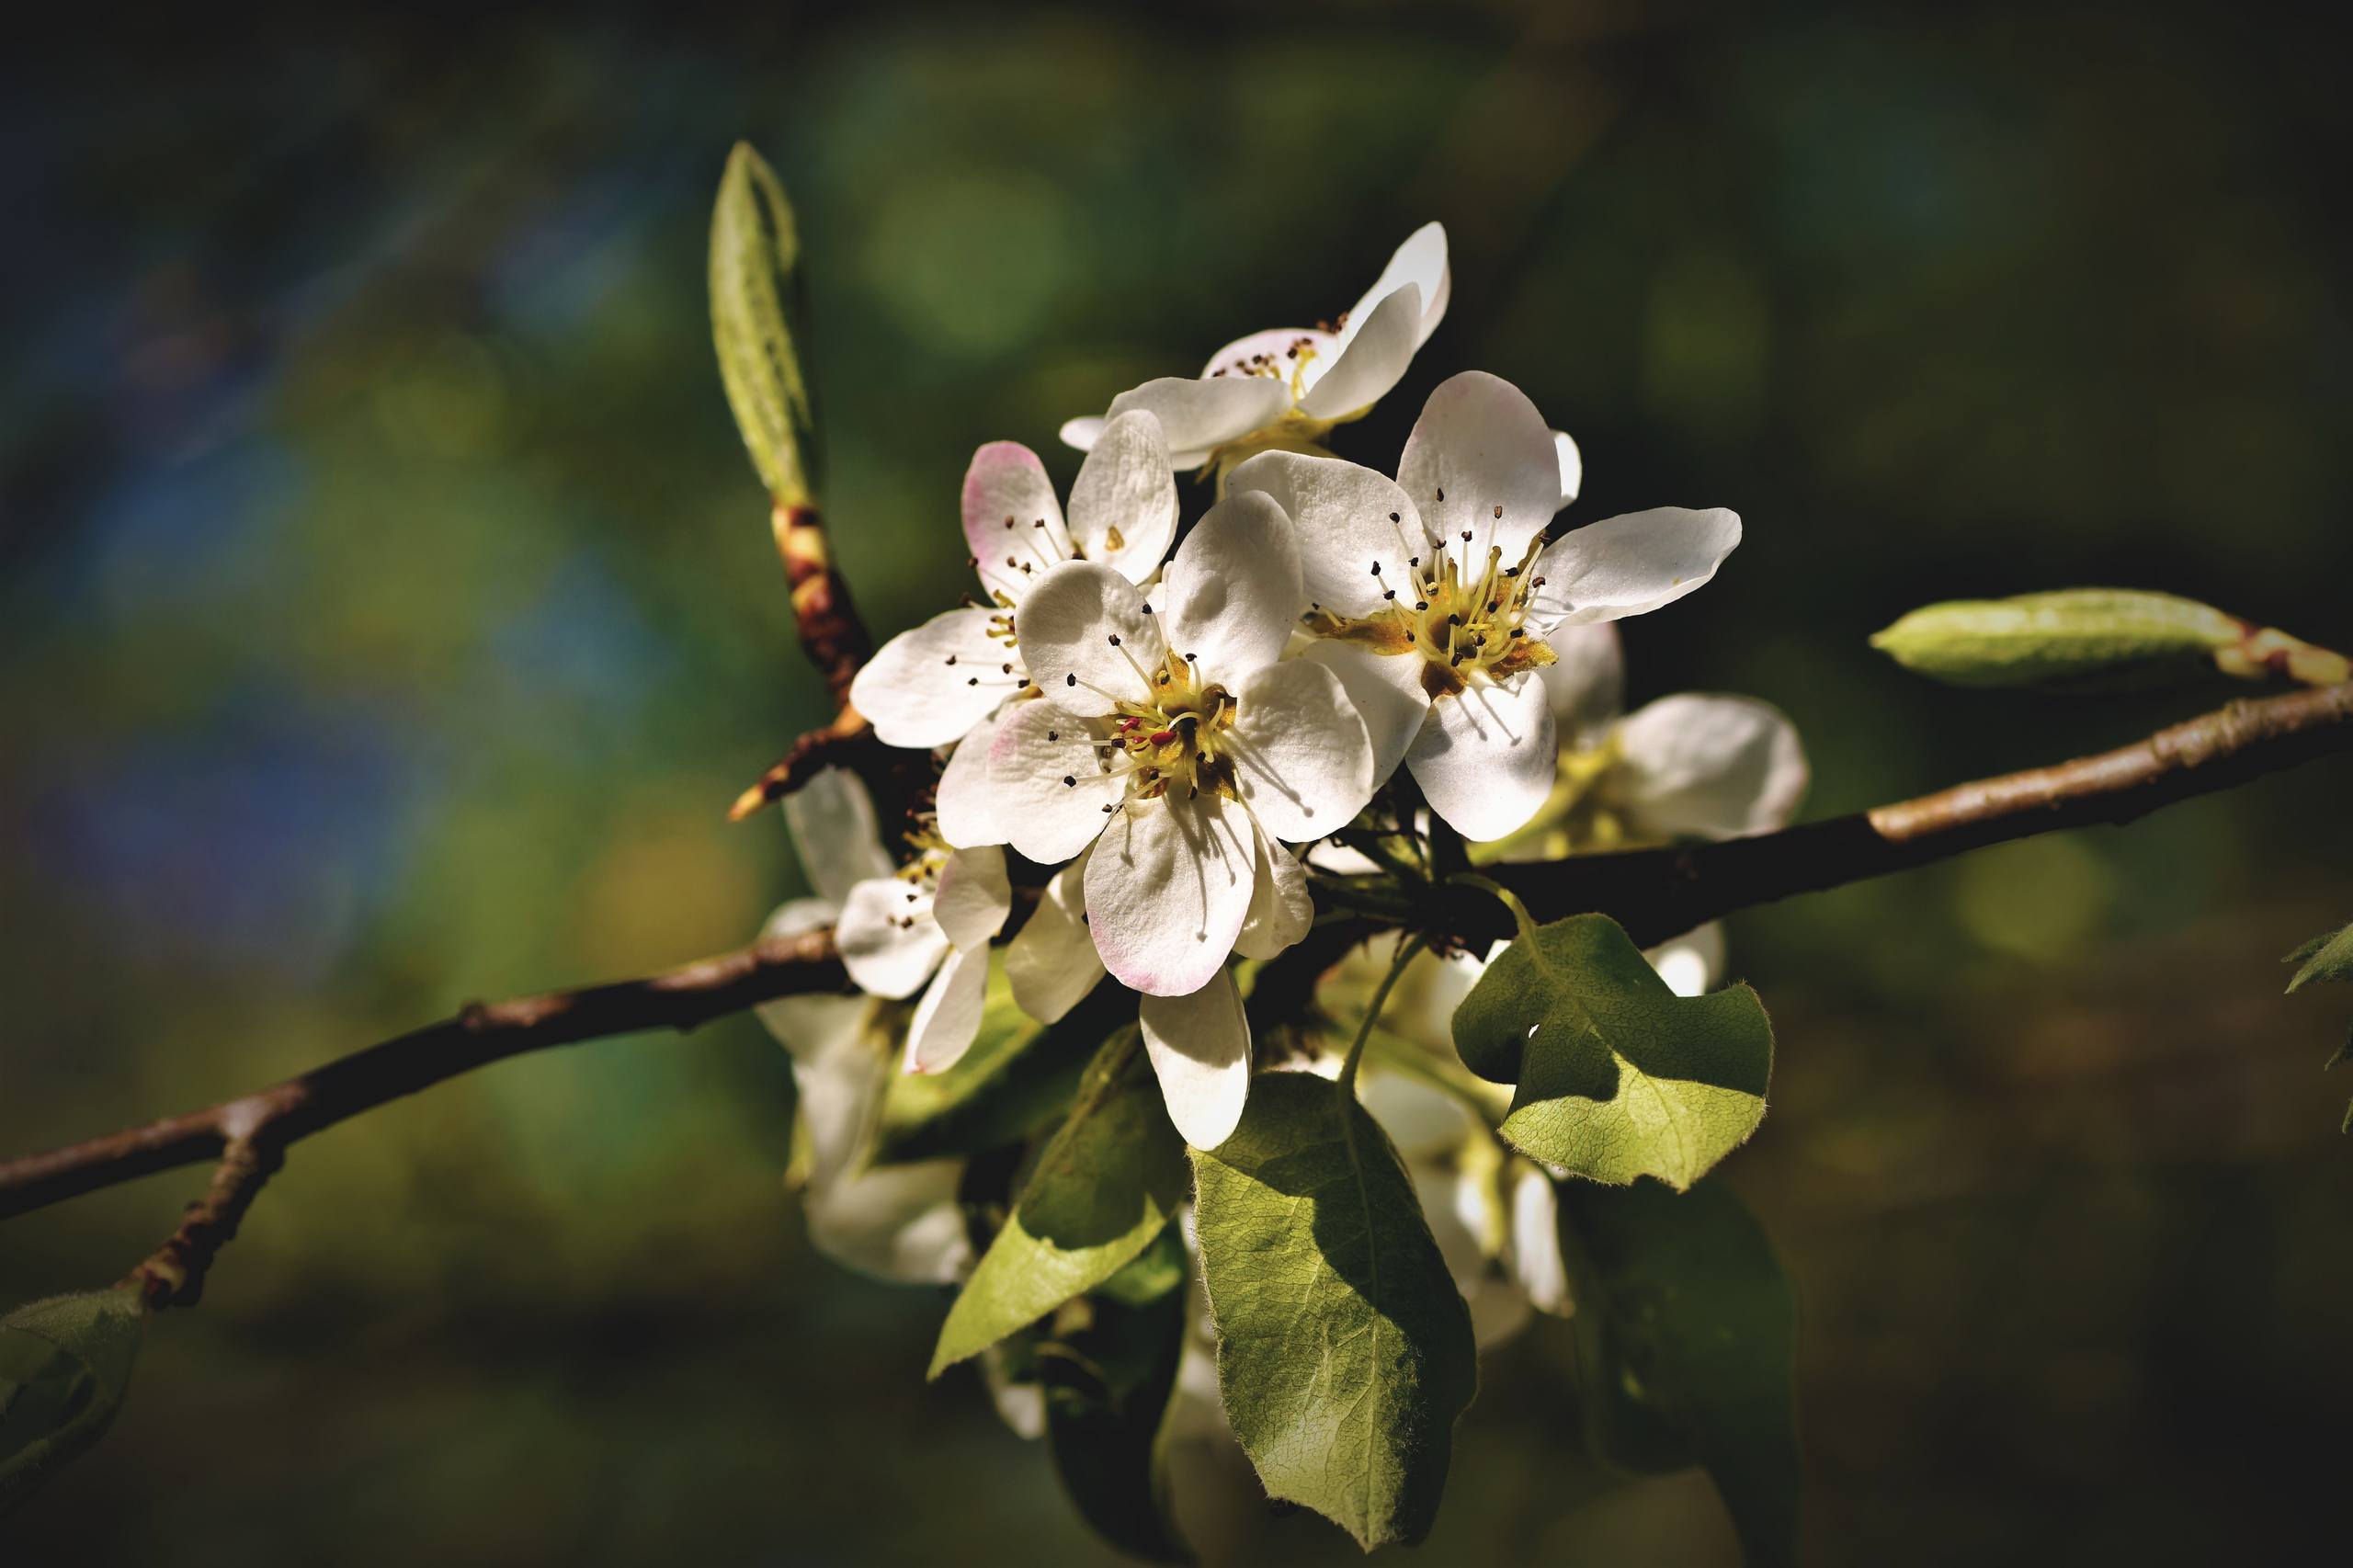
(1209, 412)
(1200, 1046)
(1232, 598)
(967, 809)
(1572, 462)
(1630, 565)
(890, 943)
(973, 897)
(1011, 518)
(1046, 786)
(830, 819)
(1372, 359)
(1586, 685)
(1282, 909)
(948, 1017)
(1386, 691)
(928, 687)
(1051, 961)
(1693, 963)
(1348, 520)
(1697, 765)
(1167, 888)
(1123, 507)
(1088, 640)
(1486, 757)
(1421, 261)
(1481, 462)
(1302, 756)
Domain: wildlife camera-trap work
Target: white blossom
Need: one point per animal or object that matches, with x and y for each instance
(931, 686)
(1285, 387)
(1435, 596)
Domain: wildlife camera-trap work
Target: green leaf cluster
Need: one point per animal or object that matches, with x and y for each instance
(65, 1365)
(1019, 1076)
(1345, 1353)
(1687, 1346)
(1616, 1076)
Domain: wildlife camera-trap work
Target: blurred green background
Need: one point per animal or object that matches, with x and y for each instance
(387, 615)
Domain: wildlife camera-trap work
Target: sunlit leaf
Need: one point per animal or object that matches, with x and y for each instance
(1109, 1378)
(1107, 1184)
(1686, 1342)
(2059, 638)
(1617, 1076)
(65, 1365)
(2325, 956)
(756, 323)
(1345, 1352)
(1016, 1079)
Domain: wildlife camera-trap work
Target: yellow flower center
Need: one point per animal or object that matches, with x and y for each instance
(1463, 623)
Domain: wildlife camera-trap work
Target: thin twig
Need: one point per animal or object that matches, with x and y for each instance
(173, 1276)
(849, 742)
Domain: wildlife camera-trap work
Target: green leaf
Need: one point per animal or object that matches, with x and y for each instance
(1016, 1080)
(1687, 1345)
(1108, 1381)
(1617, 1075)
(2326, 957)
(2070, 636)
(757, 318)
(1104, 1187)
(65, 1365)
(1345, 1352)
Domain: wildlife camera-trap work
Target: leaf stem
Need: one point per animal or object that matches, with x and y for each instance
(1521, 917)
(1405, 951)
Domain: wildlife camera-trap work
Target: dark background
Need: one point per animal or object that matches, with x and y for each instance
(387, 615)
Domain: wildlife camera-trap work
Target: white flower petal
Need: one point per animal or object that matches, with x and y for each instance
(1302, 756)
(809, 1027)
(1282, 909)
(1632, 564)
(928, 687)
(1051, 961)
(830, 819)
(1486, 757)
(1572, 462)
(948, 1017)
(1232, 596)
(1125, 490)
(897, 1222)
(1693, 963)
(840, 1092)
(1481, 444)
(1209, 411)
(973, 897)
(967, 808)
(1422, 262)
(1423, 1121)
(1274, 345)
(1536, 1261)
(1039, 747)
(1587, 686)
(1200, 1045)
(1386, 691)
(1348, 520)
(1083, 431)
(1007, 498)
(890, 943)
(1710, 766)
(1086, 637)
(1374, 355)
(1167, 888)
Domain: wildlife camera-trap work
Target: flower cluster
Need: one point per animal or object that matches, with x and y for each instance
(1167, 731)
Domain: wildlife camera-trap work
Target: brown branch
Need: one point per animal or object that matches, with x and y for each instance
(1654, 893)
(265, 1121)
(849, 742)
